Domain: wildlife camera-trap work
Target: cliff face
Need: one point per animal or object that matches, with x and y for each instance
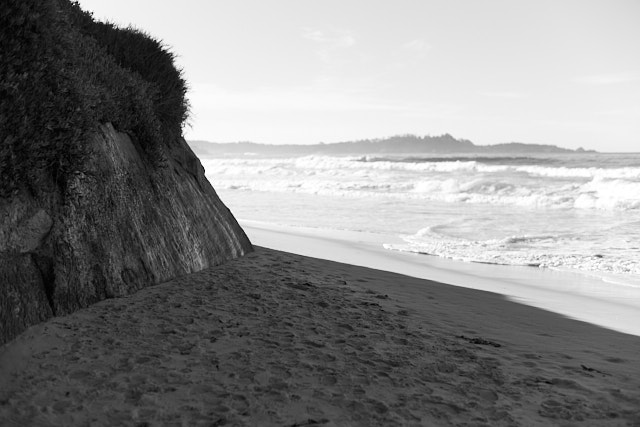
(120, 225)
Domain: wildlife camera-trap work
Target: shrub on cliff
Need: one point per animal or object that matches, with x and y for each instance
(62, 74)
(141, 53)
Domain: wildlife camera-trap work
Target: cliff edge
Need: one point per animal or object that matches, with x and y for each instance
(100, 195)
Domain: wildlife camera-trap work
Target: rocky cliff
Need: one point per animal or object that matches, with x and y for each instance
(119, 225)
(99, 193)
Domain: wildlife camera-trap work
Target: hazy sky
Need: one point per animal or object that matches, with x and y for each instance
(564, 72)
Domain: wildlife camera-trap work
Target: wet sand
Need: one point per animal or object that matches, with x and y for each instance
(285, 340)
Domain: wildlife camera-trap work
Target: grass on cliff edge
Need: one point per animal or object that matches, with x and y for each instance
(62, 74)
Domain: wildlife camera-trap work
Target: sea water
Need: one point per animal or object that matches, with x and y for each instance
(577, 212)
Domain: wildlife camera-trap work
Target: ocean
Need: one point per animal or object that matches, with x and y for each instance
(578, 212)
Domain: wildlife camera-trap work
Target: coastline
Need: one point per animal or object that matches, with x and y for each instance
(275, 338)
(571, 294)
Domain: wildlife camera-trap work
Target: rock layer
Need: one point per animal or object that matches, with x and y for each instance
(119, 225)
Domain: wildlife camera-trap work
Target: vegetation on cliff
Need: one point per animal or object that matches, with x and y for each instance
(62, 74)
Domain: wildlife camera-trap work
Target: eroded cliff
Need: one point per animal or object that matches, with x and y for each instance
(99, 193)
(119, 225)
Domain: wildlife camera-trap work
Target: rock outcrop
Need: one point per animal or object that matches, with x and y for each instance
(121, 224)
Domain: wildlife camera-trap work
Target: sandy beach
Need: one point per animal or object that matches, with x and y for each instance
(570, 294)
(280, 339)
(424, 214)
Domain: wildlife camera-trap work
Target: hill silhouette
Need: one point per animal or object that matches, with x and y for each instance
(401, 144)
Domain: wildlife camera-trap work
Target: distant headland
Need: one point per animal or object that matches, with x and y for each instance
(401, 144)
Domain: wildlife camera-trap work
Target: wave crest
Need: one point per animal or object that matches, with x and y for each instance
(457, 181)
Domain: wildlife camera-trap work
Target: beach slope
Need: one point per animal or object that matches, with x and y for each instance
(285, 340)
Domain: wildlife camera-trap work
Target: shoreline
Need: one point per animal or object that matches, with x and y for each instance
(279, 339)
(574, 295)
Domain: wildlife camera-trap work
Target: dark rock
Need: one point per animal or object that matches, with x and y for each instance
(119, 225)
(23, 300)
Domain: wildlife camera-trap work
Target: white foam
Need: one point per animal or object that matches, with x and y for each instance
(452, 182)
(545, 251)
(589, 173)
(602, 193)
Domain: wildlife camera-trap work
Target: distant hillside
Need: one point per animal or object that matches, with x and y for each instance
(403, 144)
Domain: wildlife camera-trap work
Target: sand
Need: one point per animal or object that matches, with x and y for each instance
(278, 339)
(568, 293)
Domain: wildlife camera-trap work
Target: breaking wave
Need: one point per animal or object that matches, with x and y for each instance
(458, 181)
(548, 251)
(564, 212)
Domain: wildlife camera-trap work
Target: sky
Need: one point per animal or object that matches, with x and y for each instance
(562, 72)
